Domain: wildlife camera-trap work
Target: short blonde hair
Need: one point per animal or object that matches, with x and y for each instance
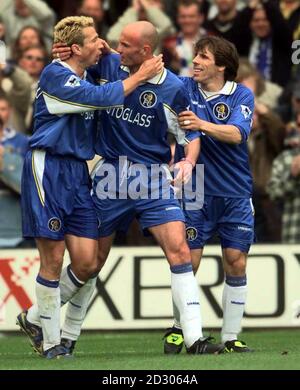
(69, 30)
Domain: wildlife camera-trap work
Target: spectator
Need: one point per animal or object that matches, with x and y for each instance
(178, 49)
(265, 91)
(170, 7)
(13, 147)
(265, 143)
(151, 10)
(16, 83)
(28, 36)
(17, 14)
(33, 61)
(94, 9)
(290, 10)
(232, 24)
(284, 185)
(270, 50)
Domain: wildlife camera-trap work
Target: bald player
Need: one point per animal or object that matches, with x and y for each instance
(138, 131)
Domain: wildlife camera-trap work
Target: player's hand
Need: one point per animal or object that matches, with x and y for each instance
(295, 167)
(188, 120)
(106, 49)
(61, 51)
(151, 68)
(183, 173)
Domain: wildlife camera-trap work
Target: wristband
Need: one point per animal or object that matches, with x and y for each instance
(188, 160)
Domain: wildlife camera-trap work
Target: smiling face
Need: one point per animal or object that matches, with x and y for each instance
(205, 68)
(260, 24)
(189, 19)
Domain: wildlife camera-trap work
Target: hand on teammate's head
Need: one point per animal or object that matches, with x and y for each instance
(152, 67)
(61, 51)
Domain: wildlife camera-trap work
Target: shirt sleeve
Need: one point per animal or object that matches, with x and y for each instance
(242, 114)
(180, 102)
(70, 94)
(101, 73)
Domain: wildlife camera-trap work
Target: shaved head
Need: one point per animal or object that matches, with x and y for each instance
(143, 32)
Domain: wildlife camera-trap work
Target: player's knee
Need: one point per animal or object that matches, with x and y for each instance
(180, 254)
(237, 265)
(52, 264)
(87, 269)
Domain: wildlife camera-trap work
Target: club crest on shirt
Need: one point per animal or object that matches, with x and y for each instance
(191, 233)
(221, 111)
(54, 225)
(148, 99)
(73, 81)
(246, 111)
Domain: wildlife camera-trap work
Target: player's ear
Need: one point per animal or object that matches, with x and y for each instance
(147, 50)
(222, 68)
(76, 49)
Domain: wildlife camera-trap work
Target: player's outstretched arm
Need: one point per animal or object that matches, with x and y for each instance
(147, 70)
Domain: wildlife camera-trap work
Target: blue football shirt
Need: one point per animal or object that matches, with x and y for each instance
(226, 166)
(66, 111)
(139, 129)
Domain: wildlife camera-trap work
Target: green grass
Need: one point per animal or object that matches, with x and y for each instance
(274, 350)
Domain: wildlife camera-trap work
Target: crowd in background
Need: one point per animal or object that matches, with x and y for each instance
(263, 32)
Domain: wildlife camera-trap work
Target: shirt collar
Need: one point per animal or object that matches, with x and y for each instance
(228, 89)
(63, 63)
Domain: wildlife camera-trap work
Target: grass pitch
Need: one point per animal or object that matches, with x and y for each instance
(274, 350)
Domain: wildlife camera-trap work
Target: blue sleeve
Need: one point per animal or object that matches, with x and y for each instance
(95, 71)
(102, 72)
(191, 135)
(70, 94)
(180, 102)
(242, 113)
